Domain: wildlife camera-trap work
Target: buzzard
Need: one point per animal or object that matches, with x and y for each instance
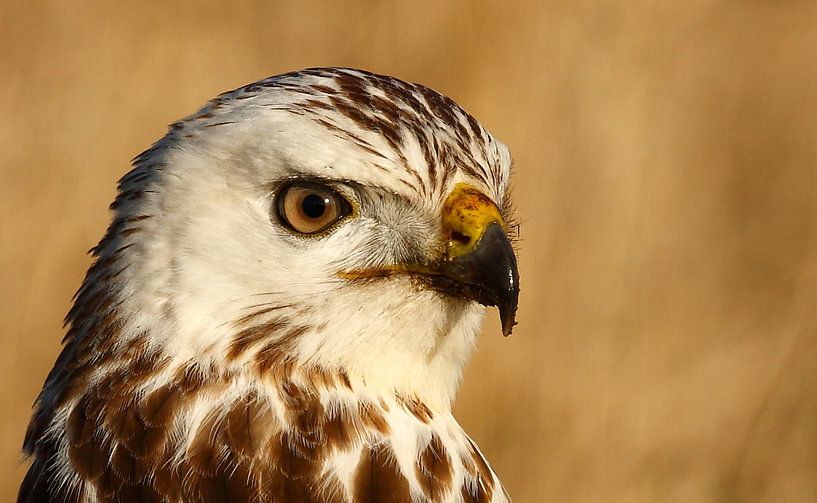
(283, 303)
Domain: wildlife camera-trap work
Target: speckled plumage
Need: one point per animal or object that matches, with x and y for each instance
(213, 356)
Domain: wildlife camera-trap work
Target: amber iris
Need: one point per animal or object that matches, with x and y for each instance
(310, 208)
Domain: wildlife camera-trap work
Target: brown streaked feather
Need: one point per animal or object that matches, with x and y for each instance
(138, 493)
(248, 424)
(88, 460)
(231, 483)
(294, 477)
(284, 490)
(191, 377)
(339, 430)
(372, 416)
(483, 475)
(123, 422)
(308, 420)
(133, 433)
(319, 377)
(265, 309)
(167, 481)
(159, 408)
(205, 453)
(332, 491)
(157, 443)
(378, 479)
(344, 379)
(417, 408)
(475, 495)
(278, 350)
(87, 453)
(434, 470)
(296, 458)
(126, 467)
(79, 430)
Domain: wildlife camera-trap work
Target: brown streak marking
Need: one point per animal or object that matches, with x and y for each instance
(167, 480)
(355, 114)
(417, 408)
(362, 142)
(479, 497)
(123, 248)
(378, 479)
(203, 455)
(388, 108)
(324, 89)
(319, 377)
(431, 162)
(373, 417)
(313, 103)
(344, 379)
(485, 477)
(190, 377)
(330, 126)
(249, 317)
(441, 107)
(86, 452)
(404, 95)
(250, 336)
(339, 430)
(476, 130)
(297, 469)
(433, 469)
(159, 408)
(125, 466)
(219, 124)
(247, 423)
(407, 184)
(278, 349)
(348, 135)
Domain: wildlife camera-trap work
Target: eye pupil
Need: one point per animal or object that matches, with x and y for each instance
(314, 206)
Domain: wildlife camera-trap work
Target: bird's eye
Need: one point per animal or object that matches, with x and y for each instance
(309, 208)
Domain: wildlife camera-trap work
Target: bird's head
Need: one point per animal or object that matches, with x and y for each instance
(329, 218)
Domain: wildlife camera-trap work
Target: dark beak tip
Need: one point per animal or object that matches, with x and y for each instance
(507, 314)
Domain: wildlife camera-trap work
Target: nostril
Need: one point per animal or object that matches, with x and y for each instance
(460, 237)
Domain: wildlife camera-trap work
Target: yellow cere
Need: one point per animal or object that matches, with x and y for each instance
(467, 213)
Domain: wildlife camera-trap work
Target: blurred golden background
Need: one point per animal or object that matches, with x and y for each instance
(666, 181)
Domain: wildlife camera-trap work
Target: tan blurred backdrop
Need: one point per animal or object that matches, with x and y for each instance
(666, 174)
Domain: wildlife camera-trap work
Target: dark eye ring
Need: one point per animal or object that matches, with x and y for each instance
(310, 208)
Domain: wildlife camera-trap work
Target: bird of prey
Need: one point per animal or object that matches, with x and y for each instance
(281, 308)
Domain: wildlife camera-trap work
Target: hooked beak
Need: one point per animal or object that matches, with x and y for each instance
(479, 262)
